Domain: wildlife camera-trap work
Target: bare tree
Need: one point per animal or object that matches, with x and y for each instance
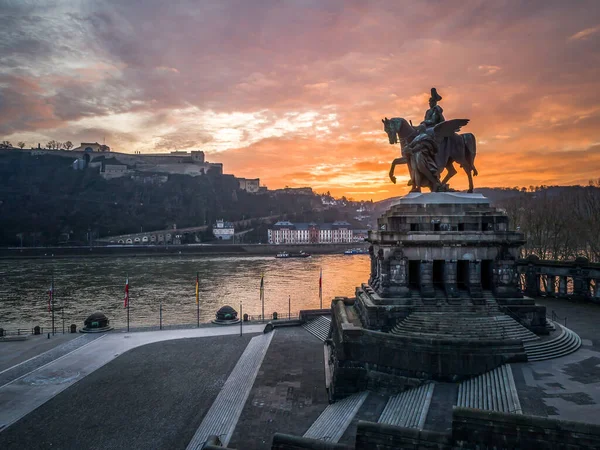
(50, 145)
(21, 145)
(5, 144)
(68, 145)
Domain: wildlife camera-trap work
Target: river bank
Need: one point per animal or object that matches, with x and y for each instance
(174, 250)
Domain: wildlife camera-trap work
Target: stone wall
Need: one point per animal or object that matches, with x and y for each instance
(474, 427)
(479, 429)
(378, 436)
(363, 359)
(288, 442)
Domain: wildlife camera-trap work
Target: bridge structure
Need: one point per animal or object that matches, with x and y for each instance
(175, 235)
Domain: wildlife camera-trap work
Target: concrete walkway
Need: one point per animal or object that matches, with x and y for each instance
(222, 417)
(26, 393)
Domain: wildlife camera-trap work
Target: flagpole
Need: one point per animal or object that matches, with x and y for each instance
(160, 314)
(321, 288)
(262, 294)
(52, 303)
(289, 307)
(241, 318)
(128, 301)
(198, 298)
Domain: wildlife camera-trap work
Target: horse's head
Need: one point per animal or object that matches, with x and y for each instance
(391, 130)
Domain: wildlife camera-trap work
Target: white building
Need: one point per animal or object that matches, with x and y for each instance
(223, 230)
(284, 232)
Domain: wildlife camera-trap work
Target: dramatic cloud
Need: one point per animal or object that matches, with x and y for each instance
(293, 92)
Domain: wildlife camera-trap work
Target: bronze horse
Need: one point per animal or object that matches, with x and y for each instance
(453, 147)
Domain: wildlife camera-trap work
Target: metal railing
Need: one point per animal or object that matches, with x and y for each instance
(556, 318)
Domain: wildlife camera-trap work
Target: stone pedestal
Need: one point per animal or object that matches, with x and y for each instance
(442, 265)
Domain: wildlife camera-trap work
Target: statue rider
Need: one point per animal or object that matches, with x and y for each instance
(434, 114)
(425, 158)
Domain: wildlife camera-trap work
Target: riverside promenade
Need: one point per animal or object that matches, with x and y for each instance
(173, 388)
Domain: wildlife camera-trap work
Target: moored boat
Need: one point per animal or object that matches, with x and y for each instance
(356, 251)
(292, 255)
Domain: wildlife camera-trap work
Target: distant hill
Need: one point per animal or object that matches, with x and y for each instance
(46, 202)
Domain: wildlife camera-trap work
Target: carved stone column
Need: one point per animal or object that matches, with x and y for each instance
(426, 279)
(450, 271)
(475, 280)
(562, 286)
(399, 276)
(532, 282)
(551, 286)
(581, 286)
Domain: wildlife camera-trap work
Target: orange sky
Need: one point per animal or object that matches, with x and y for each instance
(293, 92)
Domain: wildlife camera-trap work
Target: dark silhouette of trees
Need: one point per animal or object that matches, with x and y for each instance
(46, 202)
(559, 222)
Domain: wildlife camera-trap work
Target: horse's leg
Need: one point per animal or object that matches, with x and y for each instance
(395, 162)
(468, 172)
(392, 168)
(451, 172)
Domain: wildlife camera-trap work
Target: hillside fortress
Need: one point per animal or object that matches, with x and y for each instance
(147, 167)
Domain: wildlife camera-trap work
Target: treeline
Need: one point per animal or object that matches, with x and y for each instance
(43, 201)
(558, 222)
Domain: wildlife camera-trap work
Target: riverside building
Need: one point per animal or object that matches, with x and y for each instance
(285, 232)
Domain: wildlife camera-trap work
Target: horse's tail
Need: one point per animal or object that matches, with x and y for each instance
(470, 150)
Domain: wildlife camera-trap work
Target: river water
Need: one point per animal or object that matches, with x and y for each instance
(86, 285)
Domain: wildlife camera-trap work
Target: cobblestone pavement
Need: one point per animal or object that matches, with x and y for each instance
(38, 361)
(569, 387)
(15, 352)
(151, 397)
(21, 396)
(289, 392)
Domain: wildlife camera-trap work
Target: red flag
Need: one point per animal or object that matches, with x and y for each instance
(126, 292)
(321, 283)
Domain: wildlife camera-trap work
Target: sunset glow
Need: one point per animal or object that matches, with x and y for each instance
(294, 92)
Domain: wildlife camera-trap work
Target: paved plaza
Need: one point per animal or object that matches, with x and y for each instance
(158, 389)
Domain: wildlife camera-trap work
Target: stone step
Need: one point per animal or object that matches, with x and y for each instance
(318, 327)
(466, 331)
(332, 423)
(500, 326)
(222, 417)
(494, 390)
(565, 343)
(408, 409)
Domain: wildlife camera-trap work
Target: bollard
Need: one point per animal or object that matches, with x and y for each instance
(48, 335)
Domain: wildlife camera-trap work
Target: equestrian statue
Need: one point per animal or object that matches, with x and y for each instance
(431, 147)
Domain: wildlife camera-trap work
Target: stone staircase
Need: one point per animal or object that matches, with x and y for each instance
(408, 409)
(332, 423)
(458, 323)
(494, 390)
(319, 327)
(565, 343)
